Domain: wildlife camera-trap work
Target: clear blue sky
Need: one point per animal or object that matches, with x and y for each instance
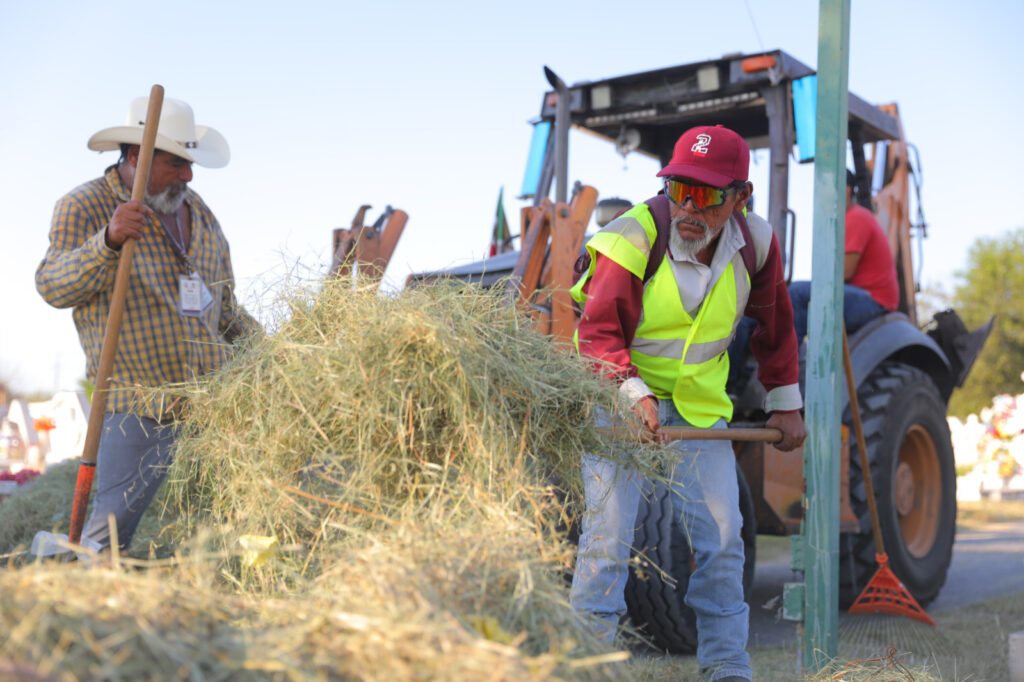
(425, 106)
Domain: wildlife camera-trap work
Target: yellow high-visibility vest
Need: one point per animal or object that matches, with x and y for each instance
(677, 356)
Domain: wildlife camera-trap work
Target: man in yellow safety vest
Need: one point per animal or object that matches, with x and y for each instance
(659, 313)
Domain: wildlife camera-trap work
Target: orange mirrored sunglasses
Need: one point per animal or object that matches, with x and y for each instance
(703, 196)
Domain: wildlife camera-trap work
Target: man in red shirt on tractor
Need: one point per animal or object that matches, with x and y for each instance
(871, 289)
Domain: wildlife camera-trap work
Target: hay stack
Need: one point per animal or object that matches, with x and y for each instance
(71, 623)
(415, 460)
(438, 404)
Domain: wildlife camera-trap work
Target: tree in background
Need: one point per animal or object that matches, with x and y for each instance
(993, 284)
(932, 298)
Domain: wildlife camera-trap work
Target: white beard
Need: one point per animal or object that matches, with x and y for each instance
(168, 201)
(690, 247)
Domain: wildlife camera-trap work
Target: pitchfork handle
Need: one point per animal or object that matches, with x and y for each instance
(86, 469)
(692, 433)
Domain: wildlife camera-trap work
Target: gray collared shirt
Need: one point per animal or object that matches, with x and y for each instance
(695, 279)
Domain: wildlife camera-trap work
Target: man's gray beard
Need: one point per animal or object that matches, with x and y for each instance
(690, 247)
(167, 201)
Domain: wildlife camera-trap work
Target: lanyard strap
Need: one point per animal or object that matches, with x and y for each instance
(177, 243)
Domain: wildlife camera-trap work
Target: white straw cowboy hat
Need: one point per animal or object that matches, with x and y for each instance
(177, 134)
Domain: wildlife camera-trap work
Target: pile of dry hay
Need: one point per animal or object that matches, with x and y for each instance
(413, 464)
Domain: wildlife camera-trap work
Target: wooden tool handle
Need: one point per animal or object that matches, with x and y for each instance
(862, 450)
(741, 434)
(112, 332)
(692, 433)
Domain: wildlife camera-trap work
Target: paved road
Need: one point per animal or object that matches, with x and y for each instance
(987, 562)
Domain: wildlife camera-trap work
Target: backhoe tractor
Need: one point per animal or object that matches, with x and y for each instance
(905, 368)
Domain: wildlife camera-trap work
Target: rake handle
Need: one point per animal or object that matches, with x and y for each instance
(865, 466)
(112, 332)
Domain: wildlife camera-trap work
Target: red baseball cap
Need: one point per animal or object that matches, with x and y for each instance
(713, 155)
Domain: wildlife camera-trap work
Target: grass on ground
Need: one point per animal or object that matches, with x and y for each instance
(973, 514)
(971, 644)
(974, 641)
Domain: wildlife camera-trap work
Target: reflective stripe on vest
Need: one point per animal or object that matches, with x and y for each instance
(627, 240)
(685, 358)
(699, 352)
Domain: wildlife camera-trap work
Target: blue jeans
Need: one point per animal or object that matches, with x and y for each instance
(707, 500)
(132, 460)
(858, 307)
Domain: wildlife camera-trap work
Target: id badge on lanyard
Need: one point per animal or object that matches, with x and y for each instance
(193, 295)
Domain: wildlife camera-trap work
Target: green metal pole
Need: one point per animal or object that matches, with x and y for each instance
(825, 314)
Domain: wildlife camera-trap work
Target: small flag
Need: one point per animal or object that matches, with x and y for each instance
(501, 241)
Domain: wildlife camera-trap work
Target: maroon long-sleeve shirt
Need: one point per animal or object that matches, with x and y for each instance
(615, 300)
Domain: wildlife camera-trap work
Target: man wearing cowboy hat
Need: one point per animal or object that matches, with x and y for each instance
(180, 313)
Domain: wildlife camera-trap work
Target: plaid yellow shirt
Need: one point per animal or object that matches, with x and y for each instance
(158, 345)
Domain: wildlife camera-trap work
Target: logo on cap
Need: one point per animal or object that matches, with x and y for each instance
(700, 147)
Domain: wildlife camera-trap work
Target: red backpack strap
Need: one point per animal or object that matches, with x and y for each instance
(658, 206)
(747, 252)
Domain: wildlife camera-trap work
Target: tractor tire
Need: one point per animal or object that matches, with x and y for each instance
(913, 471)
(654, 594)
